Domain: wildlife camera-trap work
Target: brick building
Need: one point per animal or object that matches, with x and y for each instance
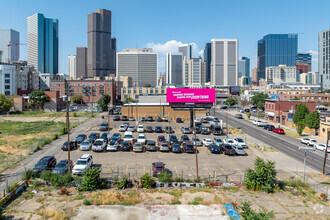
(303, 68)
(91, 90)
(318, 98)
(282, 111)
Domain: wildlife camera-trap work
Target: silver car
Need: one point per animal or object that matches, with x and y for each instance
(138, 147)
(164, 147)
(131, 128)
(86, 145)
(113, 146)
(198, 142)
(122, 128)
(218, 141)
(239, 150)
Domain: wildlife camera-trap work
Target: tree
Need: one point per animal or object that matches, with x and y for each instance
(77, 98)
(129, 100)
(6, 103)
(259, 99)
(326, 91)
(147, 85)
(38, 98)
(300, 117)
(104, 101)
(295, 98)
(91, 179)
(313, 120)
(231, 101)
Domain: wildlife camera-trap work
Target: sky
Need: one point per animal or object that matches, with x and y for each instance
(164, 24)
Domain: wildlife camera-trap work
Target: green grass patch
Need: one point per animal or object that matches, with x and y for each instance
(231, 188)
(175, 201)
(197, 200)
(47, 114)
(176, 192)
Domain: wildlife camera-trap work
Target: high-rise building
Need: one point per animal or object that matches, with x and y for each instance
(141, 66)
(304, 58)
(302, 67)
(186, 50)
(243, 81)
(324, 58)
(310, 78)
(81, 62)
(72, 67)
(255, 74)
(9, 38)
(224, 69)
(194, 72)
(281, 74)
(207, 59)
(8, 80)
(0, 56)
(100, 54)
(243, 67)
(173, 68)
(42, 43)
(137, 50)
(275, 50)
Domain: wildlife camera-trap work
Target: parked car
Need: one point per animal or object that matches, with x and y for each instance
(141, 139)
(131, 128)
(93, 136)
(45, 163)
(224, 107)
(239, 116)
(198, 129)
(198, 142)
(80, 138)
(305, 140)
(207, 142)
(99, 145)
(131, 118)
(83, 163)
(179, 120)
(126, 146)
(322, 147)
(150, 118)
(311, 142)
(216, 120)
(113, 145)
(73, 146)
(227, 149)
(247, 110)
(149, 129)
(185, 130)
(151, 146)
(254, 122)
(143, 118)
(176, 148)
(184, 138)
(169, 129)
(280, 131)
(103, 126)
(204, 120)
(215, 129)
(188, 147)
(160, 139)
(214, 149)
(218, 141)
(165, 119)
(126, 124)
(157, 168)
(240, 142)
(106, 137)
(86, 145)
(260, 124)
(239, 150)
(116, 137)
(205, 130)
(140, 129)
(116, 118)
(128, 136)
(198, 123)
(158, 119)
(269, 127)
(138, 147)
(164, 147)
(62, 167)
(124, 118)
(158, 129)
(122, 128)
(229, 141)
(173, 139)
(241, 110)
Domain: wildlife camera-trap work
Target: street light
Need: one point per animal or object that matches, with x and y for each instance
(305, 149)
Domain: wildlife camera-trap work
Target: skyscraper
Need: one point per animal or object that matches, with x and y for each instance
(9, 37)
(186, 50)
(194, 72)
(72, 66)
(243, 67)
(174, 68)
(304, 58)
(275, 50)
(224, 69)
(207, 59)
(42, 44)
(100, 55)
(324, 58)
(81, 62)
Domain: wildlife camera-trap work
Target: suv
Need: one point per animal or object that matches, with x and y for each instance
(157, 168)
(227, 149)
(83, 163)
(173, 139)
(128, 136)
(184, 138)
(188, 147)
(45, 163)
(73, 146)
(140, 129)
(99, 145)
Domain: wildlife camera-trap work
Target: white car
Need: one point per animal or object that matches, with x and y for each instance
(207, 142)
(197, 120)
(86, 145)
(239, 150)
(128, 136)
(311, 142)
(229, 141)
(254, 122)
(198, 142)
(260, 124)
(305, 140)
(83, 163)
(240, 142)
(113, 146)
(218, 141)
(165, 119)
(141, 139)
(122, 128)
(99, 145)
(131, 128)
(140, 129)
(321, 147)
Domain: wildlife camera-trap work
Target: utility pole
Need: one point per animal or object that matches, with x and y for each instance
(279, 109)
(68, 123)
(169, 130)
(196, 149)
(227, 127)
(108, 135)
(305, 149)
(326, 151)
(92, 101)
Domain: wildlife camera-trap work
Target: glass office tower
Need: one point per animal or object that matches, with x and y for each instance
(275, 50)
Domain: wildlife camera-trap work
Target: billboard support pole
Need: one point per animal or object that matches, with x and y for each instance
(191, 118)
(196, 151)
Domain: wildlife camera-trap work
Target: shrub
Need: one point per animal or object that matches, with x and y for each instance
(178, 179)
(164, 177)
(87, 202)
(13, 186)
(46, 175)
(74, 114)
(249, 115)
(29, 174)
(91, 179)
(176, 201)
(197, 200)
(248, 213)
(123, 183)
(146, 181)
(36, 183)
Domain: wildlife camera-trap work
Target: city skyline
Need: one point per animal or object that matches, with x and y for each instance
(163, 35)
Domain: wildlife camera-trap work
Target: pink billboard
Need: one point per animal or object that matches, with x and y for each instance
(191, 95)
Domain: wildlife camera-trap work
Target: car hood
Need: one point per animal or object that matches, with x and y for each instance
(79, 167)
(59, 170)
(39, 168)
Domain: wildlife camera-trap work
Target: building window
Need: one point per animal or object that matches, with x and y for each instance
(7, 87)
(78, 90)
(7, 93)
(78, 84)
(7, 75)
(7, 81)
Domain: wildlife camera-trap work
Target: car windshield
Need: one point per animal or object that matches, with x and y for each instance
(104, 124)
(187, 129)
(131, 126)
(81, 162)
(128, 136)
(161, 138)
(240, 140)
(112, 142)
(85, 143)
(239, 148)
(98, 142)
(218, 140)
(141, 137)
(159, 168)
(138, 145)
(214, 147)
(121, 126)
(61, 165)
(230, 141)
(151, 144)
(92, 135)
(42, 163)
(80, 136)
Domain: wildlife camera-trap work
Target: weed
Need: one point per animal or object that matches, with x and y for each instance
(45, 213)
(79, 197)
(175, 201)
(159, 197)
(176, 192)
(231, 188)
(197, 200)
(87, 202)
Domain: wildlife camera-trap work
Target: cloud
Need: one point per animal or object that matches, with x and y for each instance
(201, 53)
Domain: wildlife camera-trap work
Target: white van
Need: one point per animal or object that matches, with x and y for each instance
(128, 136)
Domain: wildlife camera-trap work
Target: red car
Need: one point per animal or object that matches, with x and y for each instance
(160, 139)
(279, 130)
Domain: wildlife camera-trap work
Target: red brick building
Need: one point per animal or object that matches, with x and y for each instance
(318, 98)
(282, 111)
(91, 90)
(302, 67)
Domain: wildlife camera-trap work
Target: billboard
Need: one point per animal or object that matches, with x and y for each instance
(234, 90)
(181, 95)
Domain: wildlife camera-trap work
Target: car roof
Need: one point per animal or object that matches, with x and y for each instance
(159, 164)
(46, 158)
(63, 161)
(85, 156)
(151, 142)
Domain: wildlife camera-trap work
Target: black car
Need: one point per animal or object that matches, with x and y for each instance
(158, 119)
(73, 145)
(224, 107)
(204, 120)
(270, 128)
(216, 120)
(171, 130)
(124, 118)
(188, 147)
(62, 167)
(179, 120)
(173, 139)
(198, 123)
(214, 149)
(150, 118)
(93, 136)
(105, 136)
(205, 130)
(149, 129)
(239, 116)
(184, 138)
(125, 146)
(198, 129)
(80, 138)
(158, 129)
(176, 148)
(46, 163)
(103, 126)
(116, 137)
(116, 118)
(227, 149)
(216, 129)
(247, 110)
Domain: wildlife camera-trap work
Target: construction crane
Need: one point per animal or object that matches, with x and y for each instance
(16, 44)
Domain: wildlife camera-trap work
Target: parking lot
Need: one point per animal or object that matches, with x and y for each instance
(211, 166)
